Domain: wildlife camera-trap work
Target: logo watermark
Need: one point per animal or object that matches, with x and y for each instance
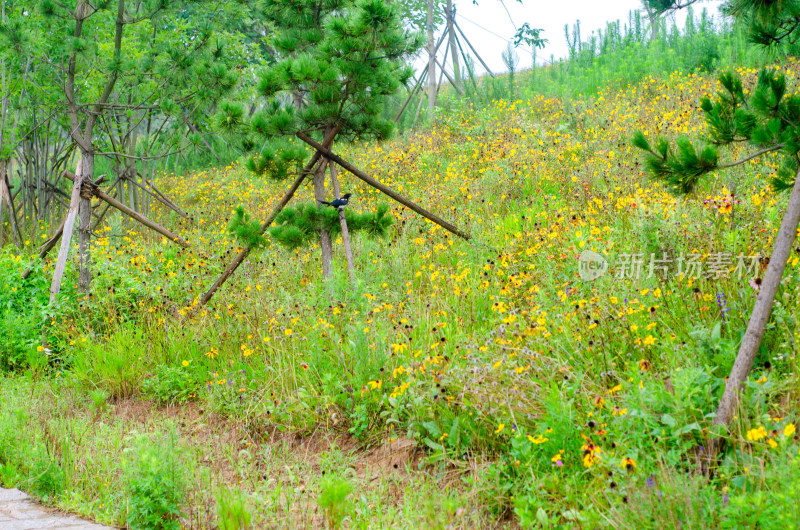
(636, 266)
(591, 265)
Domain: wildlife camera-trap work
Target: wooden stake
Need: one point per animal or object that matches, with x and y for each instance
(239, 259)
(348, 251)
(69, 226)
(451, 34)
(419, 82)
(324, 151)
(431, 60)
(161, 198)
(473, 49)
(452, 81)
(103, 196)
(751, 342)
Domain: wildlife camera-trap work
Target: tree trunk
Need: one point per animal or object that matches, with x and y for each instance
(348, 251)
(759, 317)
(431, 60)
(239, 259)
(85, 223)
(12, 211)
(324, 236)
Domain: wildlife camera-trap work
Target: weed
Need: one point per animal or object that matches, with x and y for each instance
(155, 483)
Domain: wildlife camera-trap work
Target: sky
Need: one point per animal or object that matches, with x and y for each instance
(488, 26)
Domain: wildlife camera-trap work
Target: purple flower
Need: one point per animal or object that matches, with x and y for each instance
(722, 304)
(725, 499)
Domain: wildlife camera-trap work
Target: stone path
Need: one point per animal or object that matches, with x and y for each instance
(19, 512)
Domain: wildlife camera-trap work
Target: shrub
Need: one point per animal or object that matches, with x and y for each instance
(155, 483)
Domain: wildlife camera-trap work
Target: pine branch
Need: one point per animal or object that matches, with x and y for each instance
(752, 156)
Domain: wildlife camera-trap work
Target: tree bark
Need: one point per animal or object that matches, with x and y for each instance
(751, 342)
(324, 236)
(348, 251)
(85, 226)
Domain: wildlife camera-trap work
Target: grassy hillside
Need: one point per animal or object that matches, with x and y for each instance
(456, 383)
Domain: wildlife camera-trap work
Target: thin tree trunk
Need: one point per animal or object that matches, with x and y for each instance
(761, 311)
(431, 60)
(239, 259)
(324, 235)
(348, 251)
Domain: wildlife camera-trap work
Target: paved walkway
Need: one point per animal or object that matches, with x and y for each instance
(19, 512)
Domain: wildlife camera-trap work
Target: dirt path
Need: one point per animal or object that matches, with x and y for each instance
(19, 512)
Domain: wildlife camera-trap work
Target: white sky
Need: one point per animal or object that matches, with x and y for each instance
(550, 15)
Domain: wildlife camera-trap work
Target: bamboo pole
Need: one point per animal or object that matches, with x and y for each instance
(327, 153)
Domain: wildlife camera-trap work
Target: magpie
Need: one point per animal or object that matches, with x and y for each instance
(339, 203)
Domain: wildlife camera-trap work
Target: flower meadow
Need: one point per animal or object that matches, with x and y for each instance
(453, 384)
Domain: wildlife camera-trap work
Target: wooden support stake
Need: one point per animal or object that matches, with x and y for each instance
(348, 250)
(326, 152)
(103, 196)
(239, 259)
(418, 84)
(444, 73)
(161, 198)
(473, 49)
(48, 246)
(69, 226)
(451, 35)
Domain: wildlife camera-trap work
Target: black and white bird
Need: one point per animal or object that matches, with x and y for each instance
(339, 203)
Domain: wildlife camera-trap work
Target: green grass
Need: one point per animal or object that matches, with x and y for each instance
(455, 383)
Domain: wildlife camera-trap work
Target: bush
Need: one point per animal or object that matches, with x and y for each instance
(155, 483)
(170, 385)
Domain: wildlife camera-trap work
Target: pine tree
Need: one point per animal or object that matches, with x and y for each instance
(769, 120)
(337, 62)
